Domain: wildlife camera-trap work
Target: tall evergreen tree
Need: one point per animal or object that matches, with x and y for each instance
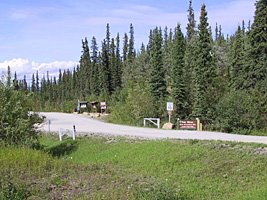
(8, 81)
(131, 51)
(25, 85)
(178, 83)
(37, 82)
(167, 60)
(150, 39)
(257, 64)
(33, 87)
(157, 80)
(15, 82)
(118, 74)
(237, 65)
(105, 76)
(125, 47)
(113, 67)
(191, 26)
(204, 70)
(95, 67)
(85, 70)
(190, 58)
(108, 42)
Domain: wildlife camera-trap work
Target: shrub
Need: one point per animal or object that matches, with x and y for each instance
(135, 104)
(17, 125)
(237, 112)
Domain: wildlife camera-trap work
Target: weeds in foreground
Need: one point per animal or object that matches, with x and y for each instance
(119, 168)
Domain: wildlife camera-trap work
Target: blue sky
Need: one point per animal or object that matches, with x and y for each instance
(46, 34)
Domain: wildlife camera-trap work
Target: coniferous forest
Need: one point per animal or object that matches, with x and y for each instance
(221, 79)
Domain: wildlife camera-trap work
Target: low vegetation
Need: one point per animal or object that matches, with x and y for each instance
(119, 168)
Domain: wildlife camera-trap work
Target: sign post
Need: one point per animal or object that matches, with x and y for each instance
(169, 109)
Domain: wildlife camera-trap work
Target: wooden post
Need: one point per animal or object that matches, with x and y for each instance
(49, 122)
(198, 124)
(158, 120)
(59, 134)
(74, 132)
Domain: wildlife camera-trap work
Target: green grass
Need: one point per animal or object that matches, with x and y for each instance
(120, 168)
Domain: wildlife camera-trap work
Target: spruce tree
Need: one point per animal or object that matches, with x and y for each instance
(157, 80)
(178, 83)
(125, 47)
(190, 59)
(8, 81)
(167, 60)
(33, 87)
(113, 67)
(95, 67)
(105, 73)
(257, 63)
(204, 70)
(237, 65)
(191, 21)
(150, 39)
(25, 85)
(131, 52)
(108, 39)
(256, 80)
(37, 82)
(118, 74)
(15, 82)
(142, 72)
(85, 70)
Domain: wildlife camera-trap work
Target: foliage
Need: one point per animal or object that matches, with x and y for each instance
(157, 82)
(257, 59)
(177, 73)
(17, 125)
(204, 71)
(238, 113)
(136, 104)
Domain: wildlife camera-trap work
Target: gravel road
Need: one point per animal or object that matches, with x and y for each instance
(85, 125)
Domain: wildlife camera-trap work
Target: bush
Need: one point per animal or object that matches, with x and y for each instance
(237, 112)
(134, 104)
(17, 125)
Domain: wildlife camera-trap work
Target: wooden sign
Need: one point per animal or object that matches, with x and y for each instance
(188, 124)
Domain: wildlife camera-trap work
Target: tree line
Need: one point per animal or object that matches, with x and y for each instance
(219, 79)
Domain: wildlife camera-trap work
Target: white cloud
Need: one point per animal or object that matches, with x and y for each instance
(17, 64)
(231, 15)
(24, 67)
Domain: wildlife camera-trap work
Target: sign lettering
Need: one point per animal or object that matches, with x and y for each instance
(188, 124)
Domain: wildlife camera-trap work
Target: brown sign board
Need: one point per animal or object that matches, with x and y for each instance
(188, 124)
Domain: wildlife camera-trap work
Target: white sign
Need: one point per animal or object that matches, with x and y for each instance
(83, 106)
(169, 106)
(103, 105)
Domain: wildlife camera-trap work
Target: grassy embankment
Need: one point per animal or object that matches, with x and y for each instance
(118, 168)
